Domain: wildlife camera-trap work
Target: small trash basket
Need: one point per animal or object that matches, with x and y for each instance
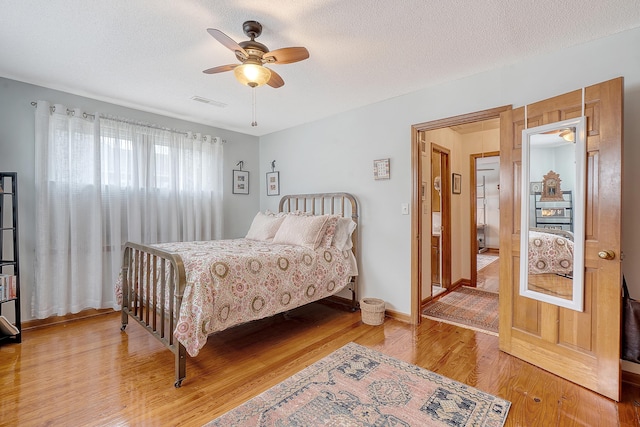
(372, 311)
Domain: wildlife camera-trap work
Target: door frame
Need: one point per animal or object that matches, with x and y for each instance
(445, 215)
(416, 184)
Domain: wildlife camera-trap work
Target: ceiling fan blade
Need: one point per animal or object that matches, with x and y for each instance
(220, 69)
(226, 41)
(286, 55)
(275, 81)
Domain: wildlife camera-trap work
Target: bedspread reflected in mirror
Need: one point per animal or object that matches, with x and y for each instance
(552, 224)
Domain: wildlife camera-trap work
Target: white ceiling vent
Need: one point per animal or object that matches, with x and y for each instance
(209, 101)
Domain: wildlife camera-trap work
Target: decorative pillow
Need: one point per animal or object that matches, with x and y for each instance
(330, 230)
(342, 236)
(302, 230)
(264, 226)
(299, 213)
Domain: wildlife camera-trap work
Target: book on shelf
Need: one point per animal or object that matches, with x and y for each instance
(8, 286)
(8, 328)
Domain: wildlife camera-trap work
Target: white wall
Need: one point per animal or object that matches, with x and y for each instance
(17, 154)
(337, 153)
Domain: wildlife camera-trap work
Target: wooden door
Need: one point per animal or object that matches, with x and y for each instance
(583, 347)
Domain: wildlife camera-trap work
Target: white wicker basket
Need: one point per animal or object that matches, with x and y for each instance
(372, 311)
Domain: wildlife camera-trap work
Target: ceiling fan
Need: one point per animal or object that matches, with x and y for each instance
(253, 55)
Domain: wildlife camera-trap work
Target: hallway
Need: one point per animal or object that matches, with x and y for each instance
(489, 276)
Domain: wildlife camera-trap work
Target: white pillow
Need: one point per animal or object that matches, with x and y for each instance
(301, 230)
(342, 235)
(264, 226)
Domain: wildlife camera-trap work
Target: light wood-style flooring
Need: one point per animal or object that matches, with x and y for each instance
(489, 277)
(88, 373)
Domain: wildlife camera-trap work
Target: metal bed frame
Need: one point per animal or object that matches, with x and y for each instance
(151, 271)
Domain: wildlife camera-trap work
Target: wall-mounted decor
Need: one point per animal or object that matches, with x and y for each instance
(535, 187)
(273, 183)
(456, 183)
(381, 169)
(240, 182)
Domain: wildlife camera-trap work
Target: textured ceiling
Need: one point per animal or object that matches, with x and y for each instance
(150, 54)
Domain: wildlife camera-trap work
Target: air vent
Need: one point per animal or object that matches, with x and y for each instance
(209, 101)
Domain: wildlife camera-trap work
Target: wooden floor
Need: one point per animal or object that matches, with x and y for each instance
(88, 373)
(489, 277)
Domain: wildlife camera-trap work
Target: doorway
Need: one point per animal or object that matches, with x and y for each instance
(459, 228)
(485, 215)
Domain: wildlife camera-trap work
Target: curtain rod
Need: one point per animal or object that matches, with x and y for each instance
(131, 122)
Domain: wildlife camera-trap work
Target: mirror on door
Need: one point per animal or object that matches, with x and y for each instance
(552, 208)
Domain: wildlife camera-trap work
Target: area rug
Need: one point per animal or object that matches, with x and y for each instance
(467, 307)
(357, 386)
(483, 260)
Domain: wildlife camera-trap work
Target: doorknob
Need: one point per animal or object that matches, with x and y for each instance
(607, 254)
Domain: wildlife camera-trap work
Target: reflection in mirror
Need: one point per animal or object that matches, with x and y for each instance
(552, 224)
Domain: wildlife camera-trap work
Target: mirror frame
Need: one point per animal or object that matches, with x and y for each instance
(578, 212)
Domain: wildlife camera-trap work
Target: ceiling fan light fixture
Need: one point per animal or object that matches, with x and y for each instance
(252, 75)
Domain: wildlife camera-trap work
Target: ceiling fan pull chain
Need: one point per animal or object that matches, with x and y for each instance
(253, 107)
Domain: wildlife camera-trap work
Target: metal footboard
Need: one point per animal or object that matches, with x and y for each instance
(153, 283)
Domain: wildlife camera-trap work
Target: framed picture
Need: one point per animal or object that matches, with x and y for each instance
(240, 182)
(456, 183)
(381, 169)
(535, 187)
(273, 183)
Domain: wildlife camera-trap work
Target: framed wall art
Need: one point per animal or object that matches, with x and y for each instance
(456, 183)
(381, 169)
(240, 182)
(273, 183)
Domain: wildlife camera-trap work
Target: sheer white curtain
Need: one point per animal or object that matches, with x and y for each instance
(101, 182)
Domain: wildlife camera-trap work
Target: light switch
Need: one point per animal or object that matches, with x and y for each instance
(405, 208)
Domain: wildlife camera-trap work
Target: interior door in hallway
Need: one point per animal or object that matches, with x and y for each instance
(583, 347)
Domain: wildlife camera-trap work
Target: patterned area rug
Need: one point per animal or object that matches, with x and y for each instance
(484, 260)
(467, 307)
(356, 386)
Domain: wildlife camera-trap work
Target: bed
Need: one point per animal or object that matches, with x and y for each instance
(182, 292)
(550, 252)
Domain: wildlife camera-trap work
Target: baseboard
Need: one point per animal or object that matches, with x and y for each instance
(338, 300)
(55, 320)
(461, 282)
(403, 317)
(631, 378)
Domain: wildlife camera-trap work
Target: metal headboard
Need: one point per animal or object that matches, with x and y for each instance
(344, 204)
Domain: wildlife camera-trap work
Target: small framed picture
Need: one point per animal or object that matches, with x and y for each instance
(240, 182)
(381, 169)
(535, 187)
(273, 183)
(456, 183)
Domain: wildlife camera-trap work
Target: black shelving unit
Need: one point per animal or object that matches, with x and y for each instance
(9, 263)
(556, 214)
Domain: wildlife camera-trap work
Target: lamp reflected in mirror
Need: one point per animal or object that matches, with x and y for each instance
(568, 135)
(552, 223)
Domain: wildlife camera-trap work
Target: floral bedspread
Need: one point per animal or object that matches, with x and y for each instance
(549, 253)
(230, 282)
